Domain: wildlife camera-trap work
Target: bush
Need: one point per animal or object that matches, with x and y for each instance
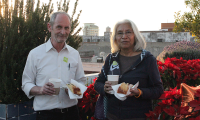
(176, 71)
(186, 55)
(185, 49)
(172, 105)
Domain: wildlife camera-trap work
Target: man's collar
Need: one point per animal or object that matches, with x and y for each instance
(65, 46)
(49, 45)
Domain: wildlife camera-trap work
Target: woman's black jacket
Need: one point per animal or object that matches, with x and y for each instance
(144, 70)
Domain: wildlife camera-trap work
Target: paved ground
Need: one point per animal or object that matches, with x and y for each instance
(92, 67)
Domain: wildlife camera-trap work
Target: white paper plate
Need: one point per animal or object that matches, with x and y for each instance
(74, 96)
(123, 96)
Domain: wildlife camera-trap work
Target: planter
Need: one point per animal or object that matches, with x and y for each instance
(19, 111)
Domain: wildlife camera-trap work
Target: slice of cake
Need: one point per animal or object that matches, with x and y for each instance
(74, 89)
(123, 88)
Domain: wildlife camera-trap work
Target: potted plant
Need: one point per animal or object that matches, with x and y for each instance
(88, 102)
(180, 78)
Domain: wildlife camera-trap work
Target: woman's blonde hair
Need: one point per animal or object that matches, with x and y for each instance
(139, 41)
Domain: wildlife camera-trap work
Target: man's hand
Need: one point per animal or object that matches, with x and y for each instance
(66, 91)
(47, 89)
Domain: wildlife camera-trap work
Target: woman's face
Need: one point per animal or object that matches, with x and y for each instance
(125, 36)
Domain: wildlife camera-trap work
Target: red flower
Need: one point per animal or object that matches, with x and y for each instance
(197, 118)
(170, 111)
(152, 115)
(195, 104)
(166, 95)
(166, 102)
(92, 118)
(94, 80)
(184, 110)
(173, 93)
(172, 66)
(89, 99)
(197, 94)
(174, 72)
(176, 93)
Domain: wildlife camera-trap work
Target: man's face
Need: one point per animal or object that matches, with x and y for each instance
(60, 29)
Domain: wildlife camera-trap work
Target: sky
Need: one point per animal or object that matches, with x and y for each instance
(146, 14)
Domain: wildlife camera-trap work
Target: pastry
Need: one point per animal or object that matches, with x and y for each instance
(74, 89)
(123, 88)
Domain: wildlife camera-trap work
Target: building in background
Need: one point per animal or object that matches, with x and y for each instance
(94, 39)
(90, 29)
(107, 34)
(92, 46)
(167, 27)
(166, 36)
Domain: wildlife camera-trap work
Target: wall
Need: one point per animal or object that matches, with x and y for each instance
(96, 47)
(151, 37)
(166, 36)
(157, 47)
(154, 47)
(93, 38)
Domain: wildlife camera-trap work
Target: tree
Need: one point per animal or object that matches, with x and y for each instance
(73, 39)
(22, 28)
(189, 21)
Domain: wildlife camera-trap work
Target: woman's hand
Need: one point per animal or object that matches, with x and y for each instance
(134, 92)
(107, 87)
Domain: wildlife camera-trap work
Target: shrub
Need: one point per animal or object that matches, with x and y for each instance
(170, 106)
(185, 49)
(176, 71)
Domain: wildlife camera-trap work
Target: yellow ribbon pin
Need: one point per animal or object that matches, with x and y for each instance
(65, 59)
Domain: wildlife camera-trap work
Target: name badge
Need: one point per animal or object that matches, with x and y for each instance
(65, 59)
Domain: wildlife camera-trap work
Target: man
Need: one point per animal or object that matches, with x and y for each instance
(53, 59)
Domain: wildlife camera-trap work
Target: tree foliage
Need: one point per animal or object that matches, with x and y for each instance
(189, 21)
(74, 39)
(23, 27)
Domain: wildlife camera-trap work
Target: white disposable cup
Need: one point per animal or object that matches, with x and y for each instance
(114, 80)
(56, 83)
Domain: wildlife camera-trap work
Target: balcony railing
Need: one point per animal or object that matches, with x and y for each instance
(90, 78)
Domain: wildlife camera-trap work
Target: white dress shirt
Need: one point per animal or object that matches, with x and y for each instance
(43, 63)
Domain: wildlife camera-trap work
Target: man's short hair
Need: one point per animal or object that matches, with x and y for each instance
(54, 15)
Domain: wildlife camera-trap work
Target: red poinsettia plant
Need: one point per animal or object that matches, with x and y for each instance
(196, 103)
(170, 105)
(176, 71)
(88, 102)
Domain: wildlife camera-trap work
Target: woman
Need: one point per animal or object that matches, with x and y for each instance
(133, 64)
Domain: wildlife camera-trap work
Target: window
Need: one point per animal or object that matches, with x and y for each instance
(159, 40)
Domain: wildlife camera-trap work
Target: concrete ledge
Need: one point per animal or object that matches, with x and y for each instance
(92, 67)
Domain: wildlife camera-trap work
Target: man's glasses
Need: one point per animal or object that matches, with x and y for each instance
(120, 34)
